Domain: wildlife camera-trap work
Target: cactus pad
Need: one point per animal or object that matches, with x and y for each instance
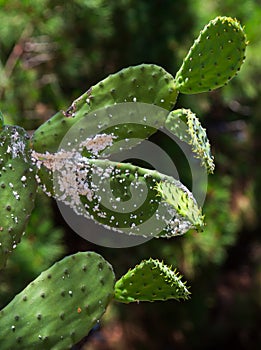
(215, 57)
(151, 280)
(17, 188)
(186, 126)
(121, 196)
(145, 83)
(60, 306)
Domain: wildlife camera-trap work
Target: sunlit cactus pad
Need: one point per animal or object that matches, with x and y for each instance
(187, 127)
(59, 307)
(17, 188)
(215, 57)
(145, 83)
(151, 280)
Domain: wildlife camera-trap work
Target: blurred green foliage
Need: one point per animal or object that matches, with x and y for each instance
(53, 51)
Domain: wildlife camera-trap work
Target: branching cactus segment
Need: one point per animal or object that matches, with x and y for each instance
(186, 126)
(17, 188)
(60, 307)
(144, 83)
(122, 196)
(215, 57)
(151, 280)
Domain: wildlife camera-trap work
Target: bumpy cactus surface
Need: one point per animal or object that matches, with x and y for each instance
(186, 126)
(144, 83)
(215, 57)
(111, 192)
(17, 187)
(151, 280)
(60, 306)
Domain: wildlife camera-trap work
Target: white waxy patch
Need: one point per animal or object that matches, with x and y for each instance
(16, 195)
(17, 146)
(76, 176)
(71, 171)
(97, 143)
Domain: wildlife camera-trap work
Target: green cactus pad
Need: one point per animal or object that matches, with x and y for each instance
(215, 57)
(186, 126)
(109, 130)
(60, 306)
(17, 188)
(145, 83)
(121, 196)
(151, 280)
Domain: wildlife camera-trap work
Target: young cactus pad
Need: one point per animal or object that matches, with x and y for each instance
(60, 306)
(122, 196)
(151, 280)
(145, 83)
(17, 188)
(186, 126)
(215, 57)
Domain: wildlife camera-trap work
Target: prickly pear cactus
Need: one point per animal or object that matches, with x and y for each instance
(144, 83)
(59, 307)
(186, 126)
(215, 57)
(17, 187)
(151, 280)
